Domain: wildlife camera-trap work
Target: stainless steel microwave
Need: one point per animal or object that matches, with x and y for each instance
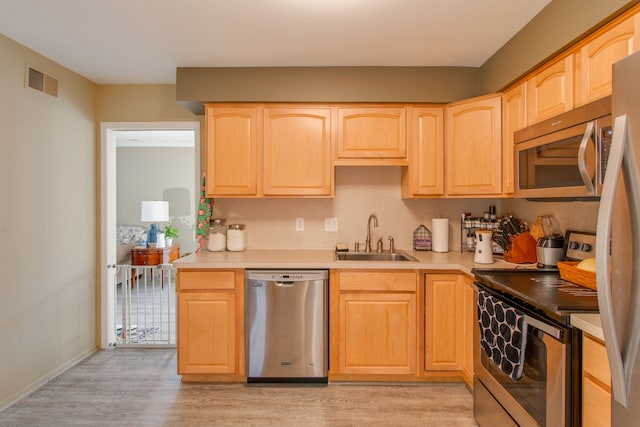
(564, 157)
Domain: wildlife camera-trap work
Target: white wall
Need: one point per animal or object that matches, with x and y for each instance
(158, 173)
(47, 222)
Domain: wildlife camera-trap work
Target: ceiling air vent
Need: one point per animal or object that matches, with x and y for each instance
(42, 82)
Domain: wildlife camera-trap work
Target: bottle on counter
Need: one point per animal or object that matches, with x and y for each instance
(236, 238)
(217, 240)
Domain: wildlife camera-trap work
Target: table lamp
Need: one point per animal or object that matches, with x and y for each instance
(154, 212)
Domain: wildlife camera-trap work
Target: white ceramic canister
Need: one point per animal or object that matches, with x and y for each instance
(217, 240)
(236, 238)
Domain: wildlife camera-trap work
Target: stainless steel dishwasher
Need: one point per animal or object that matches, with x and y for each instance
(286, 325)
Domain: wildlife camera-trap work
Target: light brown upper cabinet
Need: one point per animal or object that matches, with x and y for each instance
(371, 135)
(550, 90)
(514, 117)
(297, 152)
(595, 59)
(232, 150)
(473, 152)
(425, 174)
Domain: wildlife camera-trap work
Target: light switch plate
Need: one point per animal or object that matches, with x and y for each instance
(331, 224)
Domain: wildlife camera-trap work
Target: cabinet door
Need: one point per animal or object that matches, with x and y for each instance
(206, 333)
(594, 71)
(474, 146)
(377, 333)
(372, 133)
(232, 150)
(596, 383)
(550, 91)
(425, 174)
(444, 323)
(297, 152)
(470, 323)
(514, 115)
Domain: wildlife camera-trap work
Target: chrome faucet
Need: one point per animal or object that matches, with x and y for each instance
(367, 243)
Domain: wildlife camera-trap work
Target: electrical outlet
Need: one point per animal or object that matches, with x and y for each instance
(331, 224)
(299, 224)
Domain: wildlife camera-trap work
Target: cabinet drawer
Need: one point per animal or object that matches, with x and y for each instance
(594, 360)
(146, 259)
(596, 405)
(378, 281)
(198, 280)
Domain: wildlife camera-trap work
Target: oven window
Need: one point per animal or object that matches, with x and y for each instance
(530, 390)
(554, 165)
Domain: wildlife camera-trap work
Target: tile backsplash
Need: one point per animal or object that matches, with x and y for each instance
(361, 191)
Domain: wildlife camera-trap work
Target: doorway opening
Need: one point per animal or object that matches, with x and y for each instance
(142, 161)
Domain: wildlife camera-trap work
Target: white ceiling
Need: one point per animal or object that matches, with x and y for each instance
(144, 41)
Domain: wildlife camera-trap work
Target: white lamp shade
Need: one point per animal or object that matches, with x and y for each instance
(155, 211)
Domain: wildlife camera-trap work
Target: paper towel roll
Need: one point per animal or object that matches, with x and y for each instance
(440, 233)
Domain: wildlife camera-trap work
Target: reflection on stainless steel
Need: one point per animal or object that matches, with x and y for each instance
(374, 256)
(545, 395)
(564, 286)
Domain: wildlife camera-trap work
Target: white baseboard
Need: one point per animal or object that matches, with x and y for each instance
(45, 379)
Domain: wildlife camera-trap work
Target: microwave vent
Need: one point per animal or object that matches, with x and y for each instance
(41, 82)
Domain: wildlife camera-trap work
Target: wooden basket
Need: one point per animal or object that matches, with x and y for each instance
(570, 273)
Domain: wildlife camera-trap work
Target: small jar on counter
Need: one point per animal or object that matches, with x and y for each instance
(236, 238)
(217, 240)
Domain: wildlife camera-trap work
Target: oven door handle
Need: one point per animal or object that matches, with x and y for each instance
(550, 330)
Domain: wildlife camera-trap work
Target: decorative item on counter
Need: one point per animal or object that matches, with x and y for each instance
(217, 240)
(515, 239)
(422, 238)
(236, 238)
(571, 271)
(205, 205)
(440, 227)
(484, 251)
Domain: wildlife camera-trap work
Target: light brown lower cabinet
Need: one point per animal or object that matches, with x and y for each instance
(373, 324)
(210, 325)
(449, 322)
(596, 383)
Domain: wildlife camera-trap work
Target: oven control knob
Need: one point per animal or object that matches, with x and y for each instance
(586, 247)
(573, 245)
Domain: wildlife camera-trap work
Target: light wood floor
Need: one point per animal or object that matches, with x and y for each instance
(139, 387)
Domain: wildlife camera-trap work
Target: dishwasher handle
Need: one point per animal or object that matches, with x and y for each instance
(284, 284)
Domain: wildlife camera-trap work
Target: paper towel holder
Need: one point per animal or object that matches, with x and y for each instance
(440, 234)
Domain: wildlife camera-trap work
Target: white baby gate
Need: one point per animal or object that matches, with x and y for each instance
(145, 308)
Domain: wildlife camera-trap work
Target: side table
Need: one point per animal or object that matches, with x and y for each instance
(153, 256)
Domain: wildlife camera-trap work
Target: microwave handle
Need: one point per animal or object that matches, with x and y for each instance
(582, 158)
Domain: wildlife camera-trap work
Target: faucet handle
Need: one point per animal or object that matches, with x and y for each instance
(392, 247)
(379, 247)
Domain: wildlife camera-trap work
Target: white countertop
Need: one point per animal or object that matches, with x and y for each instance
(589, 323)
(324, 258)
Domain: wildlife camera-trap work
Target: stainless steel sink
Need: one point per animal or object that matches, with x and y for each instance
(374, 256)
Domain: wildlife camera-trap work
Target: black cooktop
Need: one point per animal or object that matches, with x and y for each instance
(544, 290)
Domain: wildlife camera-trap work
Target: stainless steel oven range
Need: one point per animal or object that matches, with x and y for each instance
(527, 355)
